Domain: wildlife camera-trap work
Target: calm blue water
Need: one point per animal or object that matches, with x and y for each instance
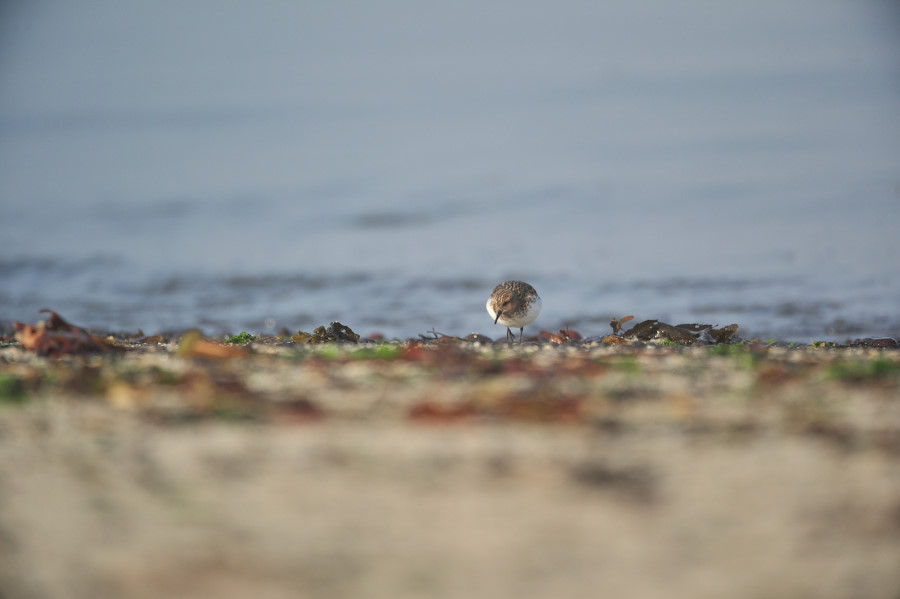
(238, 166)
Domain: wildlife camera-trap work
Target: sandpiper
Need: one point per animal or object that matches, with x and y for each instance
(514, 304)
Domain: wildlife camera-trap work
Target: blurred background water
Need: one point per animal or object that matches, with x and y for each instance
(254, 166)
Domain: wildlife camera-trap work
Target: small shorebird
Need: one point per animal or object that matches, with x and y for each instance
(514, 304)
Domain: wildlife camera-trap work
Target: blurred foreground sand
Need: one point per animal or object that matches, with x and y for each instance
(96, 502)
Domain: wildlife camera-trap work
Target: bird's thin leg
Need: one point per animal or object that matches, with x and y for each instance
(521, 332)
(509, 335)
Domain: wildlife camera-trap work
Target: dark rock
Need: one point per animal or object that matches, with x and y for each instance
(879, 342)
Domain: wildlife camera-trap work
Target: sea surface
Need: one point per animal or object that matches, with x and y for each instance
(266, 166)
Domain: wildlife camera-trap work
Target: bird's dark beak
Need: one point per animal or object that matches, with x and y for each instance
(498, 316)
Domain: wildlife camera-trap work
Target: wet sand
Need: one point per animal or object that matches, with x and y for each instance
(447, 470)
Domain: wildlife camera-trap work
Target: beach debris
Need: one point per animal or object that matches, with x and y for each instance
(709, 334)
(437, 336)
(334, 333)
(879, 342)
(56, 336)
(682, 334)
(193, 345)
(616, 323)
(561, 336)
(241, 338)
(478, 338)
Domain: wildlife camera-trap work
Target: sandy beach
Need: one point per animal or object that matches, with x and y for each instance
(450, 469)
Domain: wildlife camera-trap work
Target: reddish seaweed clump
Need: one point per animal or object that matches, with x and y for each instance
(56, 337)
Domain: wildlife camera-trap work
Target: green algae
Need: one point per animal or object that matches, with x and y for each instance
(241, 338)
(743, 354)
(858, 370)
(12, 389)
(379, 352)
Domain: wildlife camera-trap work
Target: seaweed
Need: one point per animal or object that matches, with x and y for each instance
(193, 345)
(56, 336)
(862, 370)
(334, 333)
(682, 334)
(12, 389)
(616, 323)
(241, 338)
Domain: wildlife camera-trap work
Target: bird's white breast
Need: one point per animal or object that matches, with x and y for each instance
(521, 320)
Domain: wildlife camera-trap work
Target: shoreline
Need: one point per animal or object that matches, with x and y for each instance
(449, 468)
